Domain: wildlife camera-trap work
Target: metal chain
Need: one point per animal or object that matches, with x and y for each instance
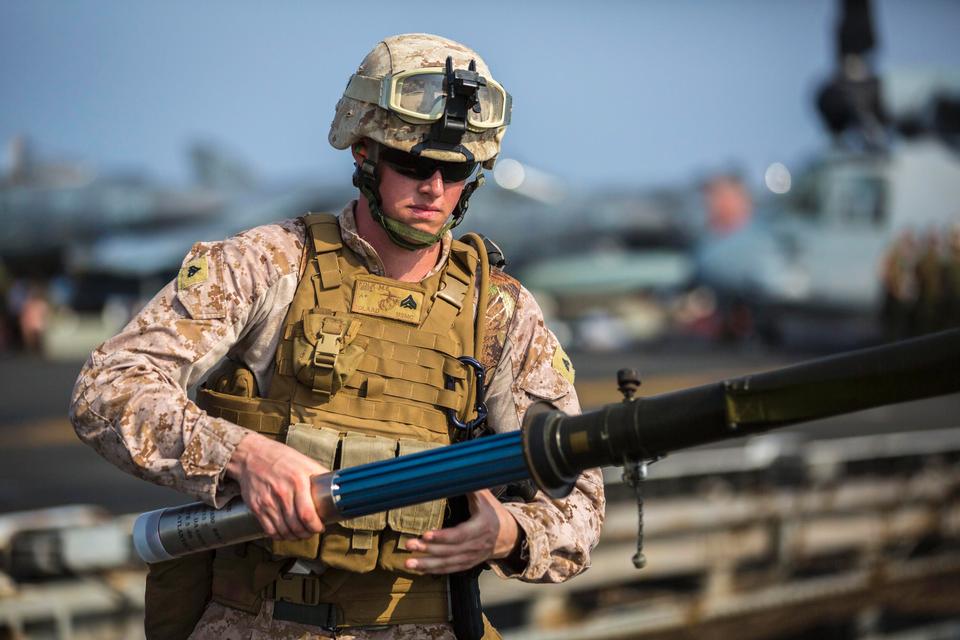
(634, 473)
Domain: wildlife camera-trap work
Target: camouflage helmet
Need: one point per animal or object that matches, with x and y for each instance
(357, 119)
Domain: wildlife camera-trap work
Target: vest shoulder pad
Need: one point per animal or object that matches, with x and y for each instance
(464, 251)
(324, 230)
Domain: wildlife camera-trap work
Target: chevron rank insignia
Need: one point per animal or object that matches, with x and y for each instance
(563, 365)
(193, 273)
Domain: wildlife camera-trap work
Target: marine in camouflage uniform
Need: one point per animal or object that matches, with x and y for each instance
(930, 285)
(230, 301)
(951, 278)
(899, 280)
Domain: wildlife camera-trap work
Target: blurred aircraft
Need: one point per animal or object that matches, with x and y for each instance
(46, 207)
(137, 262)
(603, 266)
(814, 250)
(122, 238)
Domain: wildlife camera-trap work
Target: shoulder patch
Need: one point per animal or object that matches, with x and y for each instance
(200, 282)
(563, 365)
(193, 273)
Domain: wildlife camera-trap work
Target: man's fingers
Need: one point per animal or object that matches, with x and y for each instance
(453, 535)
(271, 515)
(441, 550)
(262, 511)
(267, 525)
(458, 562)
(280, 525)
(294, 526)
(273, 525)
(287, 512)
(307, 511)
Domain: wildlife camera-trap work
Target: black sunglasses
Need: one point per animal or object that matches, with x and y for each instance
(419, 168)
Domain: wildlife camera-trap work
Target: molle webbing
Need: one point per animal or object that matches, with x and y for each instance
(377, 411)
(410, 336)
(257, 414)
(375, 387)
(388, 352)
(339, 357)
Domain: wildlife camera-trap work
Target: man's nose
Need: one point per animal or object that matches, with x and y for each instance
(433, 185)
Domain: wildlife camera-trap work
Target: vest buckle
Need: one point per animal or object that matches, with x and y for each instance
(295, 588)
(329, 339)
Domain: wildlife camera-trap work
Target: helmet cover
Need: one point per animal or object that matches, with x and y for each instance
(355, 120)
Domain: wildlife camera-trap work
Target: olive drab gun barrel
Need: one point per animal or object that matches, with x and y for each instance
(553, 448)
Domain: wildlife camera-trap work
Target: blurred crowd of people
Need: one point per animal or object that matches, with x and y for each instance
(921, 282)
(26, 308)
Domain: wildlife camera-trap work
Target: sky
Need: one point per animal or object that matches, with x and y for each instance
(605, 93)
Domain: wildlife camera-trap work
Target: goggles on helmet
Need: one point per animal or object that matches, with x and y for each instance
(419, 96)
(420, 168)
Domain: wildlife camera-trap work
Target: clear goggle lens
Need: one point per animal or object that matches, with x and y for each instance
(419, 96)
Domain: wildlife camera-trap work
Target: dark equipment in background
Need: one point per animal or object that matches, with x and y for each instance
(850, 101)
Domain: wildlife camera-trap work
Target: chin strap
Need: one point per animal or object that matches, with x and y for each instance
(366, 180)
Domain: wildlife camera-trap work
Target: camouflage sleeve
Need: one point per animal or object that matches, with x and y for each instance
(130, 401)
(559, 534)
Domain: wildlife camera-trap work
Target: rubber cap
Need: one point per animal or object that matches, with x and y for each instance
(146, 537)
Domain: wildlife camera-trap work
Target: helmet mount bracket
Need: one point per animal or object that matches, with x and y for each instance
(461, 87)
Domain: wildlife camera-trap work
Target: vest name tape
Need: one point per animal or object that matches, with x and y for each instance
(387, 301)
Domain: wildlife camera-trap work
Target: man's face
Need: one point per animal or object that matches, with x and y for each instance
(423, 204)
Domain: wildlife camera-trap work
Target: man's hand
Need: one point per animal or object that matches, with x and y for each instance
(275, 483)
(490, 533)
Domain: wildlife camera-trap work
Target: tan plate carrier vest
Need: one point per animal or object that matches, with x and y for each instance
(361, 375)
